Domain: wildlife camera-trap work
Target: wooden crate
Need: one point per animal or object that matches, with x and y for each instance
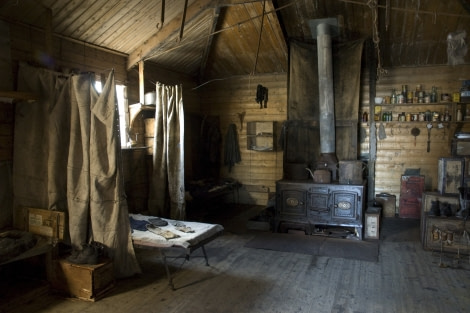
(372, 223)
(450, 175)
(388, 203)
(84, 281)
(449, 234)
(428, 198)
(43, 222)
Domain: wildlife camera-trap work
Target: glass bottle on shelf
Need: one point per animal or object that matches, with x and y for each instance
(402, 117)
(404, 91)
(459, 115)
(446, 116)
(433, 94)
(394, 97)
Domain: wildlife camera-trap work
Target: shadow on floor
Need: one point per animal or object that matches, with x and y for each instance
(235, 217)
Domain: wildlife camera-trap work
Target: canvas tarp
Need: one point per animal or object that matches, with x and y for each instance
(67, 158)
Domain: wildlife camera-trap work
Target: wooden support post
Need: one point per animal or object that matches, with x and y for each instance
(372, 65)
(183, 19)
(141, 82)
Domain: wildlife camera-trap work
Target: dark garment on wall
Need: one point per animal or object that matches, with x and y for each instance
(232, 149)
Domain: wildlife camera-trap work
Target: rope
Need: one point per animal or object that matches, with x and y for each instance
(372, 4)
(259, 38)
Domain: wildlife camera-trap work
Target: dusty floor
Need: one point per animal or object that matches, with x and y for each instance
(405, 279)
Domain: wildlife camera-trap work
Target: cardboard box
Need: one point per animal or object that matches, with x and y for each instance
(84, 281)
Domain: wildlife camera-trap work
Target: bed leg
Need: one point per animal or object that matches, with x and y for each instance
(205, 255)
(168, 274)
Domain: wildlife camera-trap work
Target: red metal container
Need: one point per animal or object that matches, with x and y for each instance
(411, 192)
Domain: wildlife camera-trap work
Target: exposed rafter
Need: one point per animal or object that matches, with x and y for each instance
(169, 30)
(207, 49)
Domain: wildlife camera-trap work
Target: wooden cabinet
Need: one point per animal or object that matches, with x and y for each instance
(448, 234)
(261, 136)
(430, 198)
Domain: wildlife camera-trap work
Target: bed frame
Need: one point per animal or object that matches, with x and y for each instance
(182, 246)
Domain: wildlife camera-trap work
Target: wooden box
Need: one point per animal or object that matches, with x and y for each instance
(446, 233)
(47, 223)
(84, 281)
(428, 198)
(261, 136)
(388, 203)
(372, 223)
(450, 175)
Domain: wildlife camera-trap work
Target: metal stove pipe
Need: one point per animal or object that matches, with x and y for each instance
(323, 29)
(325, 88)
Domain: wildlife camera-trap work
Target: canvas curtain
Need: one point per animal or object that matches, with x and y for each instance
(67, 158)
(166, 196)
(302, 131)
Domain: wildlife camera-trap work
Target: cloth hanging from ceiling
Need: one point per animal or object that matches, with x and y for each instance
(302, 135)
(67, 158)
(167, 191)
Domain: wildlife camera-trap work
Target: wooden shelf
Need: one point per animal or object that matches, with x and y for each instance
(13, 96)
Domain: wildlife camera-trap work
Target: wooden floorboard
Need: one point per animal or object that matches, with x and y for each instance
(405, 279)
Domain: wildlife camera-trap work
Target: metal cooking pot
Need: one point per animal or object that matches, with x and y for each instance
(150, 98)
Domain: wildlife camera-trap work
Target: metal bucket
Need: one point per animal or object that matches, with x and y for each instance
(322, 176)
(350, 172)
(150, 98)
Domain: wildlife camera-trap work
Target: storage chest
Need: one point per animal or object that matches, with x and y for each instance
(84, 281)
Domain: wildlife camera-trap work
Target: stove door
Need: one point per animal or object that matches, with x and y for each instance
(318, 208)
(345, 205)
(292, 204)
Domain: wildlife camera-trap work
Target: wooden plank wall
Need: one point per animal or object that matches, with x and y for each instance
(257, 171)
(6, 131)
(398, 152)
(28, 45)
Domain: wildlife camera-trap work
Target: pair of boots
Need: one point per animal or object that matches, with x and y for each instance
(89, 254)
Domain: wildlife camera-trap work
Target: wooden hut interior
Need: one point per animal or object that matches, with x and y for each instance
(293, 144)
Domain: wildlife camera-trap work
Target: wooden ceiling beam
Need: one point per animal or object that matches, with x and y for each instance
(277, 29)
(208, 45)
(167, 31)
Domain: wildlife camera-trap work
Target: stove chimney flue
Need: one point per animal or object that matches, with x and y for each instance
(323, 30)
